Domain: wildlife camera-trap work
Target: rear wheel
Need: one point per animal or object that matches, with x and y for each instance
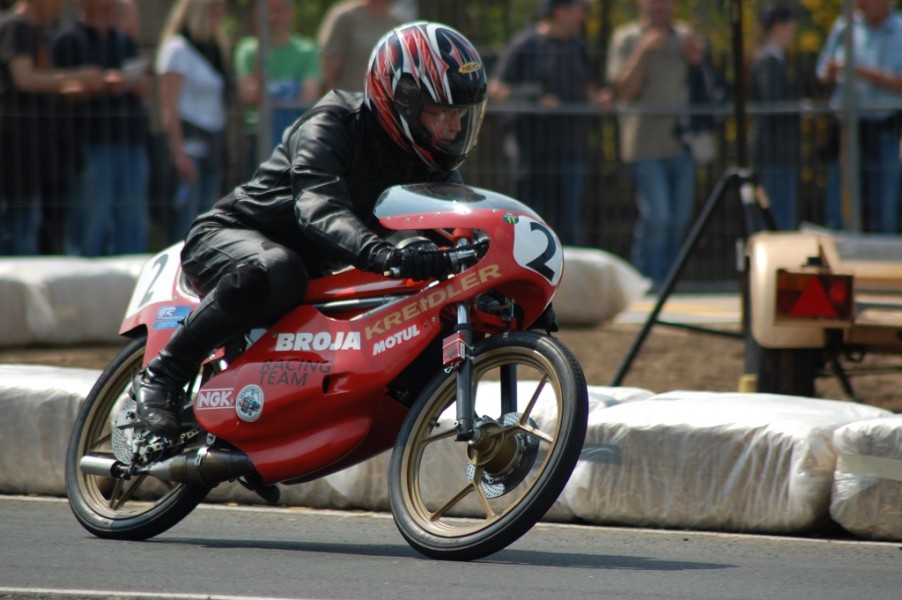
(464, 500)
(127, 509)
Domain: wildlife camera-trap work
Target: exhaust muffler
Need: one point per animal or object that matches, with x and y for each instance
(206, 466)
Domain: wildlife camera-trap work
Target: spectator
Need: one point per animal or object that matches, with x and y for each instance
(648, 64)
(548, 64)
(877, 56)
(293, 72)
(346, 37)
(28, 143)
(776, 138)
(193, 82)
(110, 213)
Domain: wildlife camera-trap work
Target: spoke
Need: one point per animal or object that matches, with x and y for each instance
(452, 502)
(101, 441)
(489, 512)
(126, 496)
(450, 432)
(472, 486)
(117, 489)
(532, 401)
(535, 432)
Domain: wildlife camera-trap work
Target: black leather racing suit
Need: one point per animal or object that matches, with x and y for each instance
(308, 206)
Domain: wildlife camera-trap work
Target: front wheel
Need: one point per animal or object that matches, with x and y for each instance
(125, 509)
(465, 500)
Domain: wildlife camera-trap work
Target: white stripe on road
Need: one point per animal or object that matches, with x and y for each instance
(27, 592)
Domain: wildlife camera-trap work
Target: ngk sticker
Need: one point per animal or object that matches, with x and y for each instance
(216, 399)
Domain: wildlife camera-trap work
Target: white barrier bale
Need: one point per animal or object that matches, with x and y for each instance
(39, 405)
(365, 485)
(71, 299)
(732, 462)
(596, 287)
(25, 311)
(867, 485)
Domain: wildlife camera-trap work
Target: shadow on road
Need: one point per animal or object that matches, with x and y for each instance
(505, 557)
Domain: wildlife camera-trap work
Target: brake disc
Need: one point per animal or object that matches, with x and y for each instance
(502, 481)
(132, 442)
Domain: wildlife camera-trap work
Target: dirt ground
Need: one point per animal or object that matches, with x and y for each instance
(669, 359)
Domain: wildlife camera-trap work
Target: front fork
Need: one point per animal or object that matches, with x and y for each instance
(458, 352)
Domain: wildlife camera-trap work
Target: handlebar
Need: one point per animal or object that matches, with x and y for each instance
(460, 258)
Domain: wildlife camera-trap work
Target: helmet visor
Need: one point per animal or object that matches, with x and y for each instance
(451, 129)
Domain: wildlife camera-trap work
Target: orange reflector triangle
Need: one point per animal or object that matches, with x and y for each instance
(813, 302)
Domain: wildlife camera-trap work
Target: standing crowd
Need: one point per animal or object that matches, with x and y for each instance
(75, 122)
(75, 137)
(657, 68)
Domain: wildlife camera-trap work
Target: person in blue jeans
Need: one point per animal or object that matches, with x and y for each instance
(664, 188)
(547, 65)
(648, 65)
(109, 212)
(877, 54)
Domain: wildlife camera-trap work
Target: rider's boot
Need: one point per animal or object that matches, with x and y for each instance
(159, 389)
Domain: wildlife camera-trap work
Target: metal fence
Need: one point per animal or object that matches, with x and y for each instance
(609, 211)
(609, 206)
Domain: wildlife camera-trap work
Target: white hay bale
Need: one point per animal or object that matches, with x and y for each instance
(732, 462)
(68, 299)
(39, 405)
(365, 485)
(867, 485)
(25, 312)
(596, 287)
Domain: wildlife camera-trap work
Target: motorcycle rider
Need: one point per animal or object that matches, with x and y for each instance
(311, 203)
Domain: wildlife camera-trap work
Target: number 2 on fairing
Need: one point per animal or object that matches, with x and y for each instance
(154, 282)
(537, 248)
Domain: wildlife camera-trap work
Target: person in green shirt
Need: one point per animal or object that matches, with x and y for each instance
(293, 75)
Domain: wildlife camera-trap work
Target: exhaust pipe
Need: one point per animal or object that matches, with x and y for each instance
(102, 466)
(206, 466)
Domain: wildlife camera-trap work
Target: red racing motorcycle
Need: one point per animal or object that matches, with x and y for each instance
(486, 415)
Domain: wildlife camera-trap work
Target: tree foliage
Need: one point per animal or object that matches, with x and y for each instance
(491, 23)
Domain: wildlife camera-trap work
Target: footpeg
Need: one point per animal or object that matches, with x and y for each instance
(270, 493)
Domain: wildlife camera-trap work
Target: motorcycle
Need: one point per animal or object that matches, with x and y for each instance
(485, 414)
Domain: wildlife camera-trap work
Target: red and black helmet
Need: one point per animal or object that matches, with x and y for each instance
(432, 68)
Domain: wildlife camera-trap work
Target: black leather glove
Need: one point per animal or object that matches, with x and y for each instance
(418, 261)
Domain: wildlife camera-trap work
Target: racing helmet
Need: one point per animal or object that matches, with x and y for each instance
(429, 68)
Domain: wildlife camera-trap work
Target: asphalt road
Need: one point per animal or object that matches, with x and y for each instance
(220, 552)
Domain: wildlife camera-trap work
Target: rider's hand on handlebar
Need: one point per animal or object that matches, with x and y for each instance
(419, 261)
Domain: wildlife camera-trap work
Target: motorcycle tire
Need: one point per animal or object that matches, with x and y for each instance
(459, 500)
(134, 509)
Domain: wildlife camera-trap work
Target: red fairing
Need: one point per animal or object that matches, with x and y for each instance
(310, 396)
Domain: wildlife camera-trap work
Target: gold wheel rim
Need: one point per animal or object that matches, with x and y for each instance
(107, 496)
